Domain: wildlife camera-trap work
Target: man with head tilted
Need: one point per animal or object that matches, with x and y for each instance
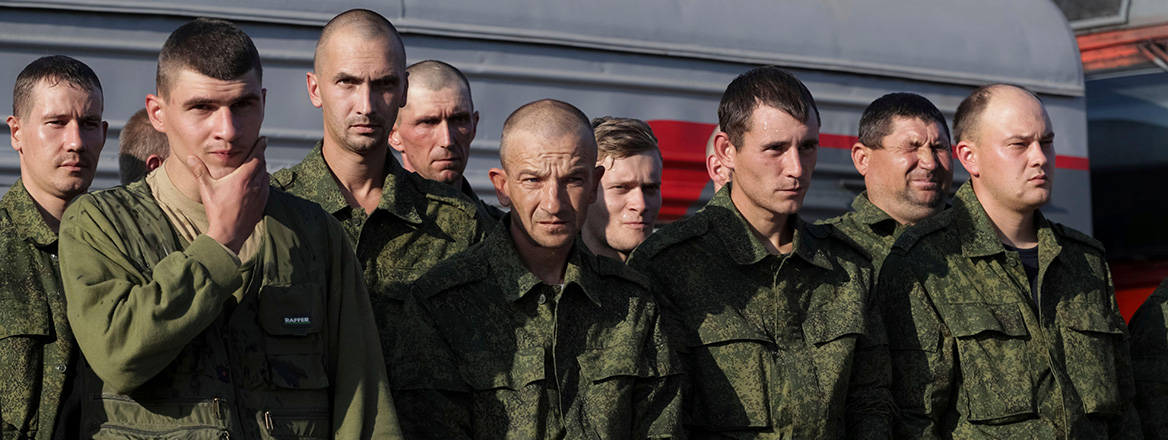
(771, 311)
(434, 129)
(207, 304)
(57, 131)
(628, 196)
(1001, 323)
(528, 335)
(399, 223)
(905, 158)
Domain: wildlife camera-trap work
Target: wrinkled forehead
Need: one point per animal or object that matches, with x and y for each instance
(535, 145)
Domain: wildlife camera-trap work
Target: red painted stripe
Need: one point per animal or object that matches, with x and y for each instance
(837, 141)
(1072, 163)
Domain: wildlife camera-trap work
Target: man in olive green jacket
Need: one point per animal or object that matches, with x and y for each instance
(1001, 323)
(772, 312)
(57, 130)
(904, 155)
(1149, 350)
(528, 335)
(399, 224)
(207, 304)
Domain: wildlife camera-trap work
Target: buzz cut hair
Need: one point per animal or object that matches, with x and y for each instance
(970, 110)
(210, 47)
(367, 23)
(619, 138)
(137, 141)
(876, 122)
(437, 75)
(53, 70)
(548, 117)
(766, 85)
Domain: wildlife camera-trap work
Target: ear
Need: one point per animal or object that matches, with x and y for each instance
(14, 128)
(967, 154)
(313, 89)
(152, 162)
(594, 188)
(860, 155)
(474, 124)
(499, 181)
(155, 110)
(405, 91)
(395, 140)
(724, 150)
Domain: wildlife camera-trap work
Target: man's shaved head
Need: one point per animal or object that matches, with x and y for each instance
(547, 118)
(965, 121)
(437, 75)
(363, 23)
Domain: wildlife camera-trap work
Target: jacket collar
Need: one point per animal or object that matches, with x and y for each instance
(27, 217)
(747, 248)
(979, 237)
(516, 281)
(399, 196)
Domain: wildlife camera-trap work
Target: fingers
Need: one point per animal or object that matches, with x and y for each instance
(199, 169)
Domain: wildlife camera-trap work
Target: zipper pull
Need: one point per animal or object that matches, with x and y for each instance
(268, 421)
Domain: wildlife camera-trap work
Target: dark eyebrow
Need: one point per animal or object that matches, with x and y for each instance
(342, 76)
(198, 101)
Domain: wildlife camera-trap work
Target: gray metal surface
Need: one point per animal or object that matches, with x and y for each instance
(654, 60)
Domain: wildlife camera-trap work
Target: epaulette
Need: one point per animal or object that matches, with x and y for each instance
(463, 268)
(1069, 232)
(612, 268)
(834, 220)
(442, 193)
(913, 234)
(672, 234)
(284, 177)
(839, 234)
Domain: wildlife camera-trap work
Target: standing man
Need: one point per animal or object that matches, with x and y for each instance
(1001, 323)
(1149, 350)
(628, 196)
(528, 335)
(206, 304)
(773, 311)
(905, 157)
(433, 131)
(141, 148)
(399, 223)
(56, 129)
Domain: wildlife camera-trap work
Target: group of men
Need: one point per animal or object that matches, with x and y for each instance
(353, 296)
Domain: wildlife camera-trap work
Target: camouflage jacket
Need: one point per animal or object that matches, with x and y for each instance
(869, 227)
(37, 350)
(494, 353)
(776, 347)
(417, 223)
(485, 209)
(182, 340)
(1149, 350)
(974, 357)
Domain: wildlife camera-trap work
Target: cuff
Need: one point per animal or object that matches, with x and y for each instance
(222, 265)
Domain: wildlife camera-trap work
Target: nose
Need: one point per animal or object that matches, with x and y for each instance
(226, 125)
(73, 138)
(793, 165)
(927, 158)
(1038, 155)
(446, 134)
(365, 104)
(553, 198)
(636, 200)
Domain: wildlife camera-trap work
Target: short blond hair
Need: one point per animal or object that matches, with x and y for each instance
(619, 138)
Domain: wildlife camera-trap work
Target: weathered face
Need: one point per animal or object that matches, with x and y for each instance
(359, 84)
(1013, 151)
(59, 140)
(217, 121)
(772, 168)
(548, 182)
(434, 131)
(909, 174)
(627, 201)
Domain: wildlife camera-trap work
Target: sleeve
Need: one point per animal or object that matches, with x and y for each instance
(869, 405)
(131, 326)
(1128, 425)
(923, 361)
(433, 401)
(362, 405)
(657, 400)
(1149, 351)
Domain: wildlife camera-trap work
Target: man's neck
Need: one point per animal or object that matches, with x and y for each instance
(599, 247)
(182, 178)
(546, 263)
(775, 230)
(360, 176)
(1015, 228)
(50, 207)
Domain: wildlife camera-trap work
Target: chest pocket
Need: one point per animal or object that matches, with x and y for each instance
(832, 335)
(22, 336)
(507, 390)
(609, 376)
(292, 318)
(994, 360)
(1090, 340)
(730, 369)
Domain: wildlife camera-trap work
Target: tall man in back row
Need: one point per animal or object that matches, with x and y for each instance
(57, 131)
(435, 128)
(907, 163)
(1001, 323)
(773, 312)
(399, 223)
(208, 305)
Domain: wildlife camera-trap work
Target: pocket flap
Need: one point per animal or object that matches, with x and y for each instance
(728, 326)
(490, 370)
(24, 319)
(829, 324)
(600, 364)
(971, 319)
(1088, 317)
(291, 310)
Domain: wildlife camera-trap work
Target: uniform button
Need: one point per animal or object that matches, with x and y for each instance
(61, 368)
(542, 299)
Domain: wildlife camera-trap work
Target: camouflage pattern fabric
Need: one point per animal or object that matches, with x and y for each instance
(775, 346)
(485, 210)
(973, 356)
(872, 229)
(1149, 350)
(37, 350)
(493, 353)
(417, 224)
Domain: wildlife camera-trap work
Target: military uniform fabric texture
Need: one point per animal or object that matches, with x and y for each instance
(1149, 350)
(869, 227)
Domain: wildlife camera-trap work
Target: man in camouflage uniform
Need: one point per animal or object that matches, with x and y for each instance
(57, 130)
(528, 335)
(207, 304)
(628, 196)
(1149, 350)
(433, 131)
(905, 158)
(399, 223)
(1001, 323)
(773, 312)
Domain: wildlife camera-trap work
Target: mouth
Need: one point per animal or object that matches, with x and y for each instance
(1039, 179)
(930, 185)
(365, 128)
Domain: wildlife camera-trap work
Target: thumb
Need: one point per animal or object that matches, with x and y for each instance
(199, 169)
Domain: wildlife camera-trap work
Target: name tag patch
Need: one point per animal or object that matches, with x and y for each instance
(297, 321)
